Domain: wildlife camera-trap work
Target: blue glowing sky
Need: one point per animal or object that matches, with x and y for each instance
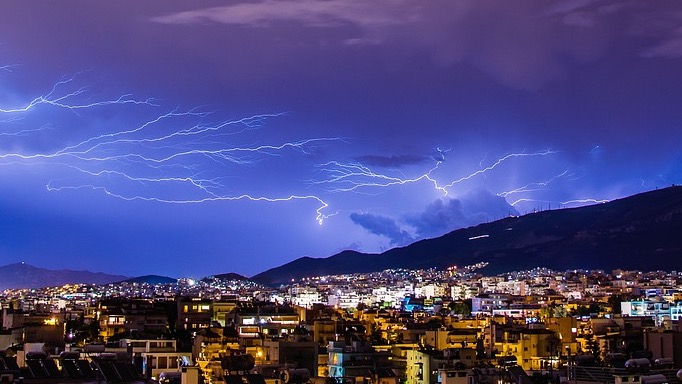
(202, 137)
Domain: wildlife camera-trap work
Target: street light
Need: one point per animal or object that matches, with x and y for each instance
(568, 363)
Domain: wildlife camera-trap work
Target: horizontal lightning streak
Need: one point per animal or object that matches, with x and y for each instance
(496, 163)
(178, 158)
(538, 186)
(353, 176)
(67, 101)
(154, 153)
(320, 216)
(561, 203)
(26, 132)
(584, 201)
(532, 187)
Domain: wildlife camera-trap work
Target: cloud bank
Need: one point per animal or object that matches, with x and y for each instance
(438, 218)
(521, 44)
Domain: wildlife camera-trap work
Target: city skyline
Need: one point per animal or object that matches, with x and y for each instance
(207, 138)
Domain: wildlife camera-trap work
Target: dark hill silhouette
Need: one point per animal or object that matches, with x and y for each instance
(22, 275)
(151, 279)
(643, 232)
(230, 276)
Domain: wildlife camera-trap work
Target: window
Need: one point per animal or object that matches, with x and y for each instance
(162, 362)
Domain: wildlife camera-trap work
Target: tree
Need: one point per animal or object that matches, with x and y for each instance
(376, 337)
(546, 312)
(434, 323)
(560, 311)
(87, 332)
(584, 310)
(460, 307)
(614, 302)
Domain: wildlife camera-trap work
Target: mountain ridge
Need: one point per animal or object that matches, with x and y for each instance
(642, 231)
(22, 275)
(226, 276)
(150, 279)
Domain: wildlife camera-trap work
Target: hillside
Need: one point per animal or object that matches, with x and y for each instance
(151, 279)
(226, 276)
(22, 275)
(643, 232)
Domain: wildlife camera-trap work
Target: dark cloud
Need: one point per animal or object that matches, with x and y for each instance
(382, 226)
(521, 44)
(439, 217)
(481, 206)
(446, 215)
(393, 161)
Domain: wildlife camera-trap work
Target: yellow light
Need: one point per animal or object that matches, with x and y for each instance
(50, 321)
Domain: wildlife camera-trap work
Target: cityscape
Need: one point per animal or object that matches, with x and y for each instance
(341, 192)
(394, 326)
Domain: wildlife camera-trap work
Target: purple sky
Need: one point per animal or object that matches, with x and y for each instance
(203, 137)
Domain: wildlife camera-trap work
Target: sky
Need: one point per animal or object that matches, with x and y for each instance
(195, 138)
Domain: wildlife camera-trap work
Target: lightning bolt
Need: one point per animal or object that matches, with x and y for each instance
(7, 67)
(66, 100)
(353, 176)
(539, 186)
(347, 177)
(183, 157)
(497, 163)
(175, 157)
(561, 203)
(320, 215)
(25, 132)
(527, 200)
(532, 187)
(584, 201)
